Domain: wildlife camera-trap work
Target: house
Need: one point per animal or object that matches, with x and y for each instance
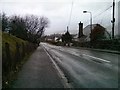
(54, 38)
(74, 37)
(98, 33)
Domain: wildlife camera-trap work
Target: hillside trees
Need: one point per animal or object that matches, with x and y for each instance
(29, 28)
(35, 27)
(4, 22)
(17, 27)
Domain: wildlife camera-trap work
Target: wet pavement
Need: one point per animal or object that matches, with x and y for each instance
(38, 72)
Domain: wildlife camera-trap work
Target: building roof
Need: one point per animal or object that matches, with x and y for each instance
(87, 31)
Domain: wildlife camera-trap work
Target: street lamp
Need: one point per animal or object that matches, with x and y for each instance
(90, 22)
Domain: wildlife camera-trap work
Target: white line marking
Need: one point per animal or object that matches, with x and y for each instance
(97, 58)
(61, 74)
(76, 54)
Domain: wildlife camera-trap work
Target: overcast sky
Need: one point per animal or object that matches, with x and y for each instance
(58, 12)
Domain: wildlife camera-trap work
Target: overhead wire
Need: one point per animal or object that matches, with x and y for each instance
(70, 14)
(100, 13)
(103, 11)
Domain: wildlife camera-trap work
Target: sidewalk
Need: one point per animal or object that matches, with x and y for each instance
(38, 72)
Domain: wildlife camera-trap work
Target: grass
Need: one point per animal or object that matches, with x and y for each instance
(11, 40)
(15, 74)
(6, 38)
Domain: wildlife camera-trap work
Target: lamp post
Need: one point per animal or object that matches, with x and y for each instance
(90, 22)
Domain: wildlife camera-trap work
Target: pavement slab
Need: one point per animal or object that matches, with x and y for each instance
(38, 72)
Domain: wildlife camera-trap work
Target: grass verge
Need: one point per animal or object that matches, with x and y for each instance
(14, 58)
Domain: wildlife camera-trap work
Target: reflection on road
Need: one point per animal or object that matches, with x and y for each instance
(86, 68)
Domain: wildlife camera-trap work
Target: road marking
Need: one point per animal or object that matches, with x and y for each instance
(61, 74)
(76, 54)
(97, 58)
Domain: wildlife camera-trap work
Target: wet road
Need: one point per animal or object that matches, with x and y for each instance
(38, 72)
(86, 68)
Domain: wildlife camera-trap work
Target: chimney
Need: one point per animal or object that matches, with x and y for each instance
(80, 30)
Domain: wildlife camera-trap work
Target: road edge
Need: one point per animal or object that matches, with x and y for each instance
(60, 72)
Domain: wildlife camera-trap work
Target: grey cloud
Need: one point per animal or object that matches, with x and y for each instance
(58, 11)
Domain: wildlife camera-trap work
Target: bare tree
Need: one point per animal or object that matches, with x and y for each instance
(0, 22)
(29, 28)
(4, 22)
(35, 27)
(17, 27)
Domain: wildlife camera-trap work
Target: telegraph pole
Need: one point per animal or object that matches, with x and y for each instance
(113, 21)
(67, 28)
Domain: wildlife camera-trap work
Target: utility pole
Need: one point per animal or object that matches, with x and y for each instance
(113, 21)
(67, 28)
